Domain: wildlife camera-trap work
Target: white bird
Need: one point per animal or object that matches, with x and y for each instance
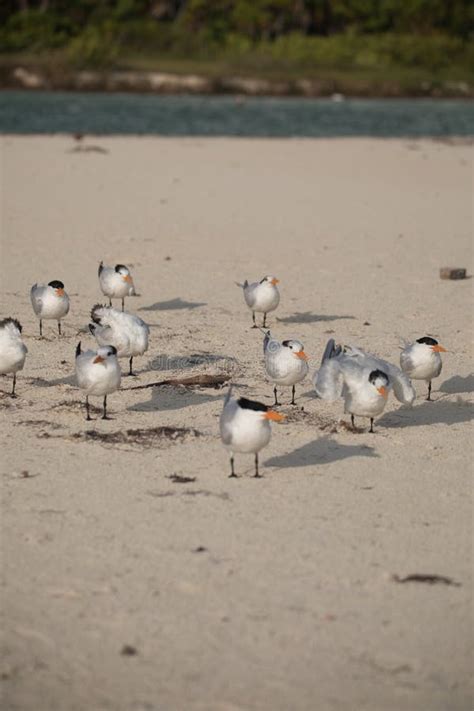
(261, 296)
(363, 380)
(116, 282)
(98, 373)
(49, 301)
(245, 427)
(128, 333)
(12, 349)
(421, 360)
(285, 363)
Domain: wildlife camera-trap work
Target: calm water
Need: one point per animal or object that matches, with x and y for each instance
(54, 112)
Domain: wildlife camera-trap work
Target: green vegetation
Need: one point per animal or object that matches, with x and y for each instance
(370, 41)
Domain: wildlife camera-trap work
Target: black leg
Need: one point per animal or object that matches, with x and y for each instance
(110, 301)
(276, 397)
(253, 319)
(371, 424)
(293, 396)
(353, 422)
(123, 304)
(130, 371)
(59, 327)
(429, 391)
(232, 473)
(88, 417)
(104, 416)
(14, 383)
(256, 475)
(264, 320)
(41, 328)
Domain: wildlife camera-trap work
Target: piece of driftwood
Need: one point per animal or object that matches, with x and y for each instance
(426, 578)
(452, 273)
(204, 380)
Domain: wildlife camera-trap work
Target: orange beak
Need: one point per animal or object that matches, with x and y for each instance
(275, 416)
(383, 391)
(127, 277)
(275, 282)
(302, 355)
(60, 292)
(439, 349)
(98, 359)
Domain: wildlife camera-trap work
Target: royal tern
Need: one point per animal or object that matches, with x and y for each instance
(128, 333)
(285, 363)
(116, 282)
(12, 349)
(98, 373)
(421, 360)
(245, 427)
(49, 301)
(363, 380)
(262, 296)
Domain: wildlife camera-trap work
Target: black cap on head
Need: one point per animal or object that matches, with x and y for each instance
(286, 343)
(252, 405)
(118, 267)
(378, 374)
(429, 341)
(56, 284)
(4, 322)
(112, 350)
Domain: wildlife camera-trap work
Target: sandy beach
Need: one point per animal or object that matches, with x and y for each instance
(125, 589)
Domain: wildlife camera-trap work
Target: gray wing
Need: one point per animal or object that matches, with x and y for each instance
(401, 383)
(329, 380)
(331, 350)
(36, 294)
(249, 293)
(228, 413)
(406, 361)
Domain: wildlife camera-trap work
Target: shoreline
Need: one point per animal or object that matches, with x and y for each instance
(23, 77)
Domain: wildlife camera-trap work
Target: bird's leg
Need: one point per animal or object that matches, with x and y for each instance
(232, 474)
(41, 328)
(14, 383)
(353, 422)
(257, 475)
(104, 416)
(88, 417)
(264, 320)
(110, 301)
(130, 372)
(253, 319)
(429, 391)
(123, 304)
(276, 396)
(371, 424)
(293, 396)
(59, 327)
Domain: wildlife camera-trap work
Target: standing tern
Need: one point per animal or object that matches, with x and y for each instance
(245, 427)
(261, 296)
(49, 301)
(116, 282)
(421, 360)
(128, 333)
(12, 349)
(98, 373)
(286, 363)
(363, 380)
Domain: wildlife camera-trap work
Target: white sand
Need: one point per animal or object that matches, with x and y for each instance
(291, 607)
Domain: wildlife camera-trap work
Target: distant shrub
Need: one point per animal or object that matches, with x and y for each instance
(34, 30)
(96, 47)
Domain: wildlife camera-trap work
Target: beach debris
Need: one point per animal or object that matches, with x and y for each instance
(203, 380)
(128, 650)
(178, 479)
(200, 549)
(144, 437)
(430, 579)
(452, 273)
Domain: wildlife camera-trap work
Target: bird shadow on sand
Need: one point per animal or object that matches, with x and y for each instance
(164, 362)
(308, 317)
(173, 305)
(430, 413)
(167, 398)
(42, 383)
(458, 384)
(323, 450)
